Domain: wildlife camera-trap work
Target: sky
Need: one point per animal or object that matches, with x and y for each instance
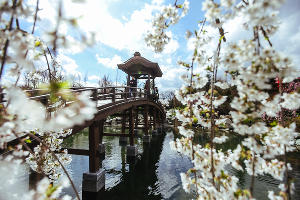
(121, 26)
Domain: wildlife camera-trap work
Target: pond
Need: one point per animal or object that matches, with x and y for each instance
(155, 174)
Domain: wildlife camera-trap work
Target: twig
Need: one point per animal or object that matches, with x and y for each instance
(191, 81)
(48, 67)
(202, 25)
(23, 143)
(287, 184)
(3, 59)
(221, 30)
(195, 174)
(57, 27)
(35, 16)
(256, 38)
(245, 2)
(17, 24)
(212, 120)
(266, 35)
(253, 175)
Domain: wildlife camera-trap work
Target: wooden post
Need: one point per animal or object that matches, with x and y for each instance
(153, 86)
(146, 113)
(123, 139)
(113, 95)
(101, 126)
(159, 118)
(136, 117)
(94, 161)
(154, 119)
(131, 126)
(95, 95)
(123, 122)
(101, 148)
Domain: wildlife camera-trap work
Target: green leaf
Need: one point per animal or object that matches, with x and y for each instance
(273, 123)
(195, 53)
(51, 189)
(196, 34)
(180, 6)
(207, 146)
(221, 38)
(28, 141)
(37, 43)
(74, 22)
(195, 120)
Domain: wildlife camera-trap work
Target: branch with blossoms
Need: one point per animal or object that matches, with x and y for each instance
(158, 37)
(19, 52)
(208, 176)
(252, 65)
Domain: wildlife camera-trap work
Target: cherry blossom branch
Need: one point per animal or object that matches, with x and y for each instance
(55, 156)
(48, 66)
(266, 35)
(23, 143)
(287, 184)
(3, 59)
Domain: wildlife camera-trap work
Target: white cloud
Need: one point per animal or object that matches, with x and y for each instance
(93, 77)
(171, 77)
(287, 39)
(109, 62)
(95, 17)
(69, 66)
(171, 47)
(169, 60)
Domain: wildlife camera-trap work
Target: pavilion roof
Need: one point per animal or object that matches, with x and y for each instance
(138, 66)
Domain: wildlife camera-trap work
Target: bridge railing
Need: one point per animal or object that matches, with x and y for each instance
(101, 95)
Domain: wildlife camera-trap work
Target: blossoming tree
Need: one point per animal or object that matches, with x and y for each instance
(22, 51)
(252, 64)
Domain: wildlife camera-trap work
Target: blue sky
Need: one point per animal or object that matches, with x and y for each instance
(120, 27)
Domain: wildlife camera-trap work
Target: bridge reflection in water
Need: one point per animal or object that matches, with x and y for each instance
(154, 175)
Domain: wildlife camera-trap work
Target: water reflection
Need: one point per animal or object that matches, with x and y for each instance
(156, 172)
(154, 175)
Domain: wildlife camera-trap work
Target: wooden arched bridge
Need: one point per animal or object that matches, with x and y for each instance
(128, 102)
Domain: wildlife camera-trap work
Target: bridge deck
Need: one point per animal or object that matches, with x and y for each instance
(109, 100)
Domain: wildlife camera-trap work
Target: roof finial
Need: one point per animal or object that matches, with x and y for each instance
(137, 54)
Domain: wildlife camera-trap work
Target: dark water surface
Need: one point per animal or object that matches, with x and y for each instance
(155, 175)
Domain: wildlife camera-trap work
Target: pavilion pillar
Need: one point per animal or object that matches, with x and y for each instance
(153, 86)
(94, 180)
(131, 149)
(127, 89)
(148, 87)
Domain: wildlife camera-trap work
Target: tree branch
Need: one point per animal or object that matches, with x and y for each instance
(55, 156)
